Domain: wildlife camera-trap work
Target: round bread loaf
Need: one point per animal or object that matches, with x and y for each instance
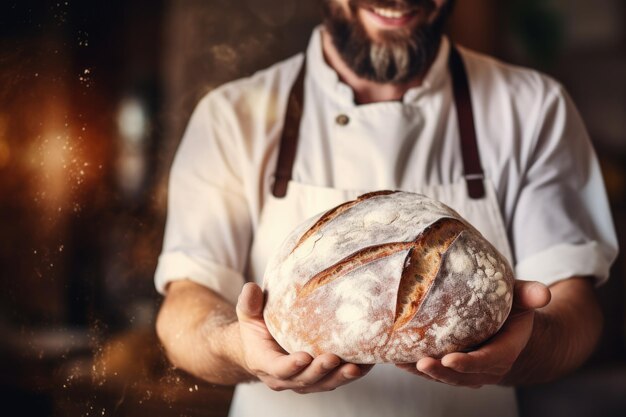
(388, 277)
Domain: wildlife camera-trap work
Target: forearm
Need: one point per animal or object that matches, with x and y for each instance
(200, 333)
(565, 333)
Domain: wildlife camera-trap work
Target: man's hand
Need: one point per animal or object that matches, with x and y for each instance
(492, 362)
(266, 360)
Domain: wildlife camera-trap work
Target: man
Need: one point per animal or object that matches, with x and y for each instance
(381, 95)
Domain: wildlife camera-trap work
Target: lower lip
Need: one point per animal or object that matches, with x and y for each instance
(389, 22)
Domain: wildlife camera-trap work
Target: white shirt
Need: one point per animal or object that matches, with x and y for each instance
(533, 147)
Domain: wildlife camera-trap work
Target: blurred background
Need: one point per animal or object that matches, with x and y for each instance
(94, 97)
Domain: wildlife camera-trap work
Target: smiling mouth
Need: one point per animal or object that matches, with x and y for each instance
(391, 13)
(390, 17)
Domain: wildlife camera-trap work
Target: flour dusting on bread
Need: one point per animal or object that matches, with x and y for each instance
(388, 277)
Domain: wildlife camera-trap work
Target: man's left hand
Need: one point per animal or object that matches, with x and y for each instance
(490, 363)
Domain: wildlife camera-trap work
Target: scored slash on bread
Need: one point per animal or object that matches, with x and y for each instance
(352, 262)
(421, 266)
(333, 213)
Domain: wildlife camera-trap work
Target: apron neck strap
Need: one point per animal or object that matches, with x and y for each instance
(473, 171)
(289, 138)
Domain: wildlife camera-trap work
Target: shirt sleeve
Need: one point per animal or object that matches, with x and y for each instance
(208, 227)
(562, 226)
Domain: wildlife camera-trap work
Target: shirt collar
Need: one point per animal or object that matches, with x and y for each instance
(328, 78)
(322, 73)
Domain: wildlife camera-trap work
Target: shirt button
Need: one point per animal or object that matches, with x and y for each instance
(342, 120)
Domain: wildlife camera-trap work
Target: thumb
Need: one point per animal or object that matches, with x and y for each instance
(530, 295)
(250, 303)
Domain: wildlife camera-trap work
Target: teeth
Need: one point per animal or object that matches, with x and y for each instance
(389, 13)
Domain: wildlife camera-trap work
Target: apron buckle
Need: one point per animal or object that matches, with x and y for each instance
(475, 185)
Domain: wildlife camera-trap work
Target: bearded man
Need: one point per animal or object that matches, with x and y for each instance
(374, 104)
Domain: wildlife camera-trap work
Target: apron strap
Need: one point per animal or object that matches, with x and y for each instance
(289, 139)
(473, 171)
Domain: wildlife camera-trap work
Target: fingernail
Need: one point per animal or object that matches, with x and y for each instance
(348, 375)
(302, 362)
(448, 363)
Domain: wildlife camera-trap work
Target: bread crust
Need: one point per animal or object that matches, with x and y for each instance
(388, 277)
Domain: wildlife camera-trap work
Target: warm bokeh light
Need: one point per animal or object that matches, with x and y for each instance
(133, 125)
(132, 121)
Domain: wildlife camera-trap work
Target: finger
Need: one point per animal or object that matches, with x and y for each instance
(436, 370)
(530, 295)
(266, 358)
(250, 303)
(284, 366)
(497, 356)
(341, 375)
(412, 368)
(318, 369)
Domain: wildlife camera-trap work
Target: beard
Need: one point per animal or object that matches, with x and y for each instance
(397, 56)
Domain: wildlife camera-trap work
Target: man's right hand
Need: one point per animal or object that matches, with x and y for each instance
(268, 362)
